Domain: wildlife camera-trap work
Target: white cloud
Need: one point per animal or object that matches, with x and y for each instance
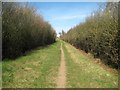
(69, 17)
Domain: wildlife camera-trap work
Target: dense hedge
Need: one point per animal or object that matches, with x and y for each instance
(98, 35)
(23, 29)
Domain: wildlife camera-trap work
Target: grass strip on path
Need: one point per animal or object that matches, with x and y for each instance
(83, 73)
(38, 69)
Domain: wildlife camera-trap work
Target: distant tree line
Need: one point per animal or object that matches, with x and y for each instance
(98, 35)
(23, 29)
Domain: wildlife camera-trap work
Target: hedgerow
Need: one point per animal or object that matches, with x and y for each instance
(98, 34)
(23, 29)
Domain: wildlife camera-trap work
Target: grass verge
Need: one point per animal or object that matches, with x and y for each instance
(83, 73)
(38, 69)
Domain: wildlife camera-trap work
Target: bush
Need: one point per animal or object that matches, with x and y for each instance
(98, 35)
(23, 29)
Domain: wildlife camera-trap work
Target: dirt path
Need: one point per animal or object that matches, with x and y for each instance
(61, 82)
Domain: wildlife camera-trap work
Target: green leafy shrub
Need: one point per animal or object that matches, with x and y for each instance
(98, 34)
(23, 29)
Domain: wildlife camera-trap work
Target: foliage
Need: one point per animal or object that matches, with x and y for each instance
(23, 29)
(98, 34)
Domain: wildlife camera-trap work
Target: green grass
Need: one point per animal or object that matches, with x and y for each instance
(83, 73)
(38, 69)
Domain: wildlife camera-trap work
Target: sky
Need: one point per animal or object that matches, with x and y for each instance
(65, 15)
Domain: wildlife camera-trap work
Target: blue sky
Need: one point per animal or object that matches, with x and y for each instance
(64, 15)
